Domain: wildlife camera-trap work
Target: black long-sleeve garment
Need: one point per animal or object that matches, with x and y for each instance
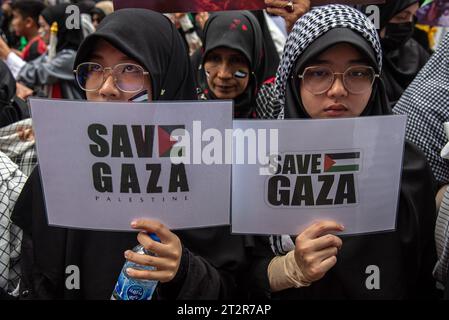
(214, 264)
(405, 258)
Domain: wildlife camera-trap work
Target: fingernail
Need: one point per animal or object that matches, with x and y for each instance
(342, 227)
(126, 254)
(128, 270)
(134, 224)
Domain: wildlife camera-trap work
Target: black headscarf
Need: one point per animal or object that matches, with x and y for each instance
(86, 6)
(402, 63)
(245, 36)
(391, 8)
(12, 109)
(406, 256)
(67, 38)
(147, 40)
(99, 12)
(271, 54)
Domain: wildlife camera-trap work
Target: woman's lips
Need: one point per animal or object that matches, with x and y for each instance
(224, 88)
(335, 110)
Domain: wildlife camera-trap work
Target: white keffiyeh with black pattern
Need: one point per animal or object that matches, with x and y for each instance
(426, 104)
(318, 21)
(11, 184)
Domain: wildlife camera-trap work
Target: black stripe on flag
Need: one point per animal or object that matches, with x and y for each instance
(347, 155)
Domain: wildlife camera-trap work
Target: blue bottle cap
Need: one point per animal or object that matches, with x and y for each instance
(154, 237)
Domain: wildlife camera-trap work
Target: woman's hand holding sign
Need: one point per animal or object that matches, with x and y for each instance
(168, 252)
(315, 254)
(316, 249)
(289, 10)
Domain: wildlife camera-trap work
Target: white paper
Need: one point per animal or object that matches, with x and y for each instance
(371, 207)
(66, 164)
(445, 151)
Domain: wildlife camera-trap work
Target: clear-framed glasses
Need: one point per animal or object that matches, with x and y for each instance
(356, 79)
(128, 77)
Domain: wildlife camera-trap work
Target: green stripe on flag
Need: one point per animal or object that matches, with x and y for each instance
(352, 167)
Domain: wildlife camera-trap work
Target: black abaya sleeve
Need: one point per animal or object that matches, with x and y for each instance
(224, 267)
(416, 222)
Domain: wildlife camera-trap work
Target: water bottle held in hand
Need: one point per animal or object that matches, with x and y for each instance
(128, 288)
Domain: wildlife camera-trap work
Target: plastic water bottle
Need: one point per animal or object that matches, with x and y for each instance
(128, 288)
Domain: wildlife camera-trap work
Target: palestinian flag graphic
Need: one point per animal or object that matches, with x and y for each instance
(342, 162)
(165, 143)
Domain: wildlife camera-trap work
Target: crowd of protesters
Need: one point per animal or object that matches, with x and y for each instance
(288, 61)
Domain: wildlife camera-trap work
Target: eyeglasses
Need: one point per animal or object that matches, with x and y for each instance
(127, 77)
(319, 79)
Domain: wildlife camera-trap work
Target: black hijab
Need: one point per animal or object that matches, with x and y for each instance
(402, 63)
(148, 40)
(67, 38)
(99, 12)
(238, 30)
(86, 6)
(391, 8)
(271, 54)
(12, 109)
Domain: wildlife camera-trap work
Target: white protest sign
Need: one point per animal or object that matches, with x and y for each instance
(346, 170)
(105, 164)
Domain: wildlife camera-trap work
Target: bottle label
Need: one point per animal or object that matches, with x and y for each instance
(129, 289)
(135, 292)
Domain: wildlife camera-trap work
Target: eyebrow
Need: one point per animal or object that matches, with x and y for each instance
(100, 57)
(233, 55)
(318, 61)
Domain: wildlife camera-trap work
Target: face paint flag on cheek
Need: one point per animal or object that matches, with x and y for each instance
(240, 74)
(142, 96)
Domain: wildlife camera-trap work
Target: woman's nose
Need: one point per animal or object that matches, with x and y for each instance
(224, 71)
(109, 90)
(338, 88)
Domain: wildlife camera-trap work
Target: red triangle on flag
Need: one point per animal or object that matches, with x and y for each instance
(164, 141)
(328, 163)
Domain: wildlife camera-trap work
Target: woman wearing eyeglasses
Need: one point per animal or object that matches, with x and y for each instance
(208, 263)
(330, 70)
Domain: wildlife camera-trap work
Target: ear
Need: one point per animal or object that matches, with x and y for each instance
(29, 22)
